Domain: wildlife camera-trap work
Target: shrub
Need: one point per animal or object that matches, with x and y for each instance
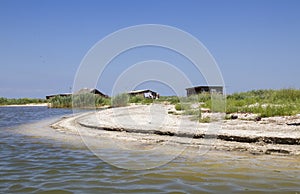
(204, 120)
(120, 100)
(170, 99)
(136, 99)
(182, 106)
(147, 101)
(178, 106)
(86, 100)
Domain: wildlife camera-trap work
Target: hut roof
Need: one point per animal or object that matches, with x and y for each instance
(196, 87)
(89, 90)
(139, 91)
(62, 94)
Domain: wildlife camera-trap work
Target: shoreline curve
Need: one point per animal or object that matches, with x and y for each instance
(152, 124)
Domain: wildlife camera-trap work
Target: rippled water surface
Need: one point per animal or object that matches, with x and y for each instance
(31, 164)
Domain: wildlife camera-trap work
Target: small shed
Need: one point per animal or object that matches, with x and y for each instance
(144, 93)
(204, 89)
(54, 95)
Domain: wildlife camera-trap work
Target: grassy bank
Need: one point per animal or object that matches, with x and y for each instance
(265, 103)
(21, 101)
(91, 100)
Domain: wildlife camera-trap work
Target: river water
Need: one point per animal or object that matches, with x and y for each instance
(35, 164)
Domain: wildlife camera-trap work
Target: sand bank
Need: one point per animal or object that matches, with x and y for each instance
(152, 124)
(25, 105)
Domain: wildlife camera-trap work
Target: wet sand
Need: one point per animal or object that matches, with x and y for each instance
(148, 126)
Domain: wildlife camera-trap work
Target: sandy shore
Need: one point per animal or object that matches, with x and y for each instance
(152, 125)
(23, 105)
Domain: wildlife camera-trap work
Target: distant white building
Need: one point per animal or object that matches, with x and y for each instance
(144, 93)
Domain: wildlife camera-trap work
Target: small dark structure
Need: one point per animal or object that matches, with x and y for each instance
(144, 93)
(204, 89)
(92, 91)
(54, 95)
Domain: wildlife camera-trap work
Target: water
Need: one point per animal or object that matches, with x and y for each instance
(35, 164)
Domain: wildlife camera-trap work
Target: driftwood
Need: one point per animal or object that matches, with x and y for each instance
(293, 124)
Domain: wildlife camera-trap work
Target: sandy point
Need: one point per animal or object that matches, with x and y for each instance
(152, 124)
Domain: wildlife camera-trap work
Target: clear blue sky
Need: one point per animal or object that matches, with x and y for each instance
(256, 43)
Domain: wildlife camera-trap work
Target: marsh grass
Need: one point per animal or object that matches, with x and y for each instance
(21, 101)
(120, 100)
(86, 100)
(61, 102)
(266, 103)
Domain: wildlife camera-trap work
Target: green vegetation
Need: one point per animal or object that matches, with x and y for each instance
(170, 99)
(86, 100)
(265, 103)
(205, 120)
(120, 100)
(140, 100)
(89, 100)
(21, 101)
(182, 106)
(61, 102)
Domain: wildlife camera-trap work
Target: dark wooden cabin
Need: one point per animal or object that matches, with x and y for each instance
(54, 95)
(92, 91)
(204, 89)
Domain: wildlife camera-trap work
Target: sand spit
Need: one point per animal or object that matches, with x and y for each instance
(153, 125)
(25, 105)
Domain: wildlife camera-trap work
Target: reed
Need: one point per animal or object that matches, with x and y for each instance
(86, 100)
(21, 101)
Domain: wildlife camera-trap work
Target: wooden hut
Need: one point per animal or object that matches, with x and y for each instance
(54, 95)
(204, 89)
(144, 93)
(92, 91)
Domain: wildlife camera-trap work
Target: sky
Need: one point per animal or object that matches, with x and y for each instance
(256, 43)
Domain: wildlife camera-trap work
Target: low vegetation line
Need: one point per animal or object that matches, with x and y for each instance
(21, 101)
(264, 103)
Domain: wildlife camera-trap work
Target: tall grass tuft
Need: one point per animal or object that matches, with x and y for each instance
(120, 100)
(267, 103)
(86, 100)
